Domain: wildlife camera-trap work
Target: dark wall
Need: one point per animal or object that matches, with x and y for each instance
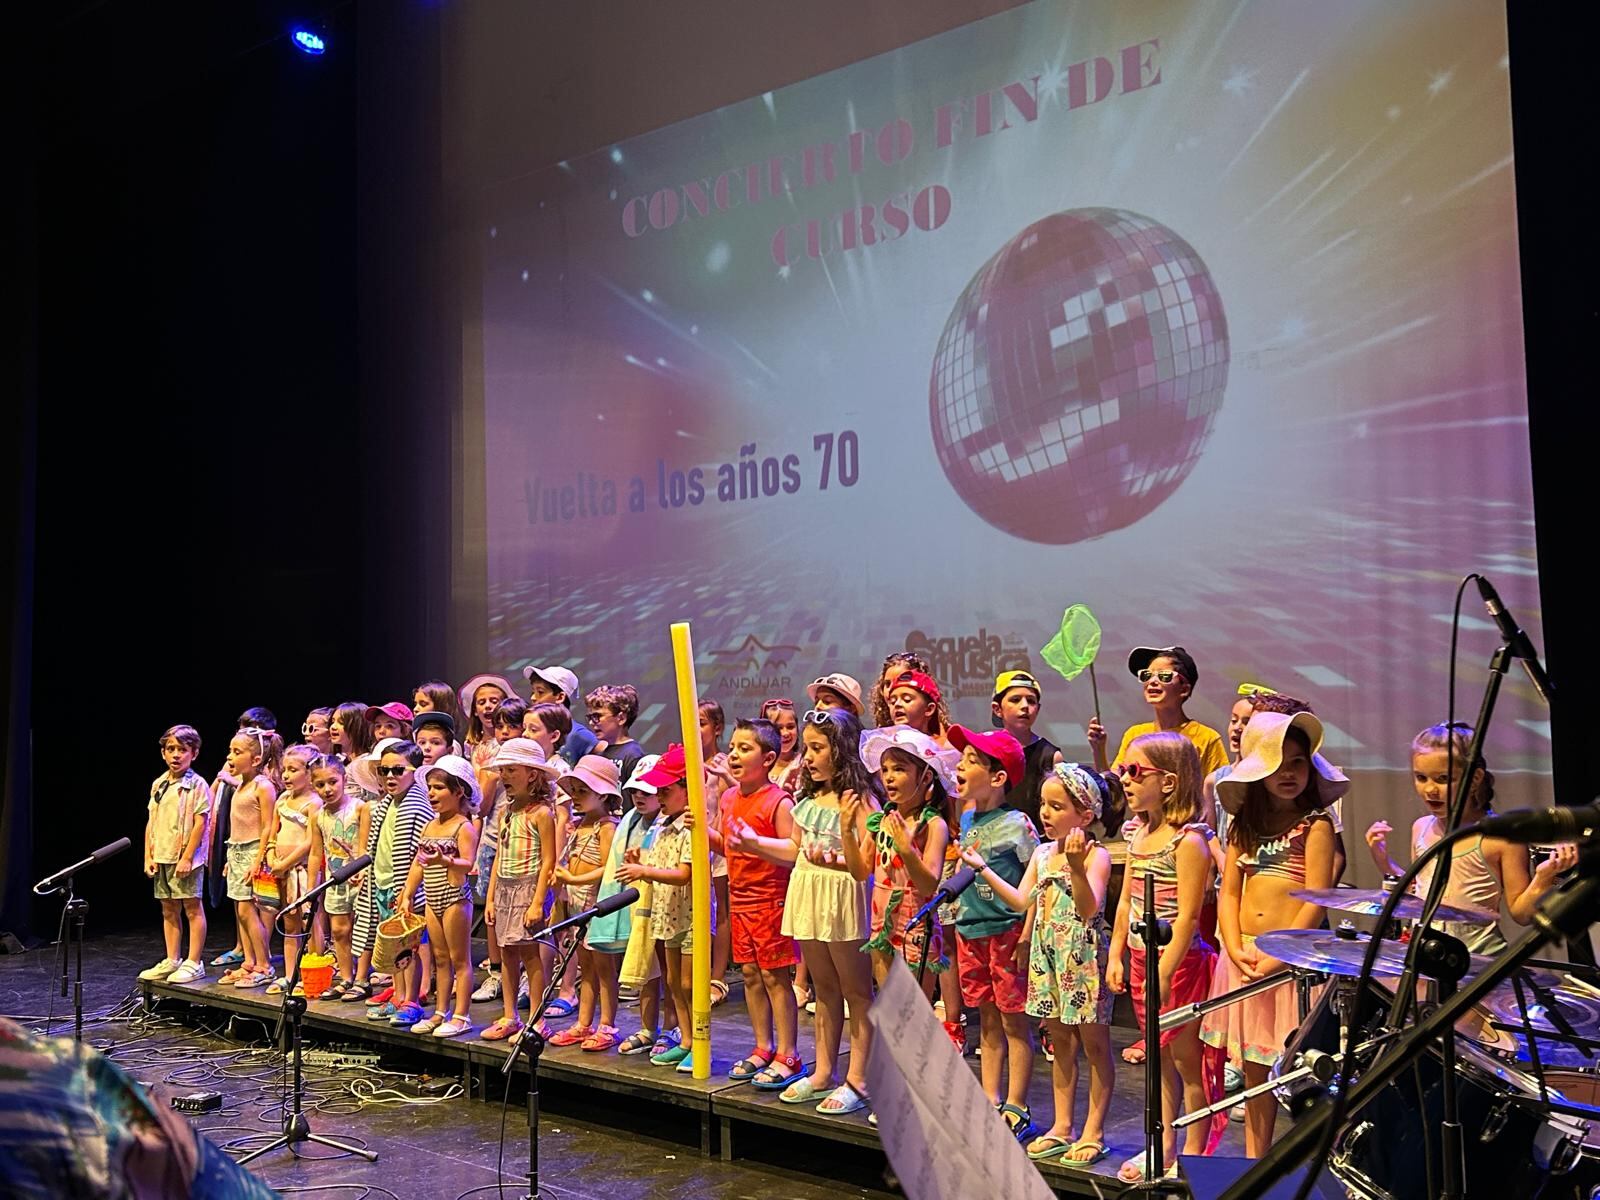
(1561, 323)
(200, 504)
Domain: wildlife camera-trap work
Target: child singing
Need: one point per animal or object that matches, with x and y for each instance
(444, 857)
(521, 883)
(988, 930)
(1280, 839)
(1161, 776)
(1063, 892)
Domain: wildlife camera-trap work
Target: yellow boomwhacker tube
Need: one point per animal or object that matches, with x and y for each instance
(700, 868)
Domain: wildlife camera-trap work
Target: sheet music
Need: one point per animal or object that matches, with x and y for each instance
(942, 1135)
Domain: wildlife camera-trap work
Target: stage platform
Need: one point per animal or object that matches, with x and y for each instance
(731, 1118)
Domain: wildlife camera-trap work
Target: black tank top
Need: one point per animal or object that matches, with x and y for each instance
(1038, 756)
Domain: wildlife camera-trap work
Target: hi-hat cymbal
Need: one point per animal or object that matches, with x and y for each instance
(1331, 953)
(1369, 902)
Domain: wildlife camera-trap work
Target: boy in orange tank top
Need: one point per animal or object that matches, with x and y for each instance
(756, 891)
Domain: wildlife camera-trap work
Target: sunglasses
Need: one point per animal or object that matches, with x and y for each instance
(308, 729)
(393, 772)
(1146, 675)
(819, 716)
(1255, 689)
(1138, 771)
(767, 705)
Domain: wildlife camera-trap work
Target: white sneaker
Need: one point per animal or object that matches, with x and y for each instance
(188, 971)
(161, 970)
(489, 989)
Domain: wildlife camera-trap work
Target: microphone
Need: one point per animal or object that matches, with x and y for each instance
(948, 891)
(607, 906)
(1564, 823)
(1520, 644)
(354, 867)
(52, 883)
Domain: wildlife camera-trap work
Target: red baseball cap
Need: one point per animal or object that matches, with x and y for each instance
(921, 682)
(670, 768)
(998, 745)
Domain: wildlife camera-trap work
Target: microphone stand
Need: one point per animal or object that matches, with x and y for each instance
(1451, 1152)
(296, 1128)
(1155, 933)
(71, 945)
(1564, 914)
(535, 1042)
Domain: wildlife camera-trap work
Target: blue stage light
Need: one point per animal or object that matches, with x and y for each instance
(308, 42)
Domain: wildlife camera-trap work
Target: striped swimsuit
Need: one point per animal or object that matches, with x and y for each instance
(440, 892)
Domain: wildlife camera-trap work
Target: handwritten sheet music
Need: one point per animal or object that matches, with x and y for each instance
(938, 1128)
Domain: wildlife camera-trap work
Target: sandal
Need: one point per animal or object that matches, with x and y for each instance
(1098, 1150)
(638, 1042)
(559, 1007)
(1018, 1119)
(1133, 1171)
(800, 1091)
(665, 1040)
(571, 1035)
(844, 1099)
(719, 992)
(603, 1038)
(748, 1067)
(355, 991)
(778, 1074)
(427, 1025)
(504, 1028)
(1049, 1146)
(670, 1057)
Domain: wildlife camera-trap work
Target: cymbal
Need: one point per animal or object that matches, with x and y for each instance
(1369, 902)
(1331, 953)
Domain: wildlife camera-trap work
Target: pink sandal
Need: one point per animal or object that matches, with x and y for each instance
(505, 1027)
(571, 1035)
(603, 1038)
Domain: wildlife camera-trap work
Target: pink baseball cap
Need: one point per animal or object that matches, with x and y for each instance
(394, 710)
(998, 745)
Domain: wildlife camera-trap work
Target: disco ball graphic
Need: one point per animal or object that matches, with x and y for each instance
(1079, 375)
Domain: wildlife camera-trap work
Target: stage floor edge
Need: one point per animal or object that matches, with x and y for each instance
(728, 1112)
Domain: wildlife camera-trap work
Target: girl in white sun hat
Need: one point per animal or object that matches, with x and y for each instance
(1280, 840)
(904, 852)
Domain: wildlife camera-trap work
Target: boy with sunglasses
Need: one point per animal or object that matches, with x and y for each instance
(1169, 675)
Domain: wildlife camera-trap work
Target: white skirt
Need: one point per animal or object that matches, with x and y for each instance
(825, 905)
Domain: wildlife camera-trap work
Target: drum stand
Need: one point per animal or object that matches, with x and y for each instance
(1562, 914)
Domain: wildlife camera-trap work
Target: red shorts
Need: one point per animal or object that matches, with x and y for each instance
(1191, 983)
(989, 973)
(758, 938)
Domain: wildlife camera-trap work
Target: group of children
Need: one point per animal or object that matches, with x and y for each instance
(827, 835)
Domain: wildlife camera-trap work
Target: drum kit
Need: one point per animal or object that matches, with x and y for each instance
(1528, 1063)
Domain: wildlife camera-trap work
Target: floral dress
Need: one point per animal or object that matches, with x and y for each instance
(1068, 956)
